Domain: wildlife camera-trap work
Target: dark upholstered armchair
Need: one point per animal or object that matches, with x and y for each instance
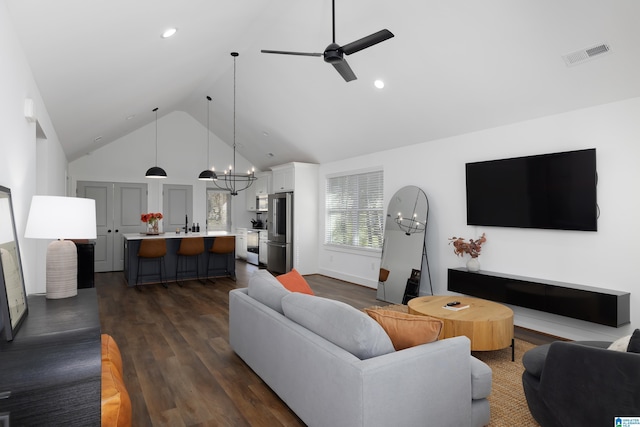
(581, 384)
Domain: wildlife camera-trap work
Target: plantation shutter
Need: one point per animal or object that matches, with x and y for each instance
(354, 210)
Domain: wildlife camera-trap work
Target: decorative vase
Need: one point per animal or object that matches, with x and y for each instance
(473, 264)
(152, 227)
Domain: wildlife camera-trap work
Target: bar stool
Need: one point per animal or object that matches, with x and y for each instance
(190, 247)
(382, 278)
(152, 250)
(223, 245)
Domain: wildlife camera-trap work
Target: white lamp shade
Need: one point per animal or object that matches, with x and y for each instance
(54, 217)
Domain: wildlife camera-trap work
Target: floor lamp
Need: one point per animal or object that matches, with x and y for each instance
(54, 217)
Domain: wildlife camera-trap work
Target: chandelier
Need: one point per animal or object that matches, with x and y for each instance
(409, 225)
(230, 181)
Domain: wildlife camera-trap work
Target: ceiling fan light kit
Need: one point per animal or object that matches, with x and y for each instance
(334, 53)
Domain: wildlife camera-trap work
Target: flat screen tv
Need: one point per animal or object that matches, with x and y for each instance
(548, 191)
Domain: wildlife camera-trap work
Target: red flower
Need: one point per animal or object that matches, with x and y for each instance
(151, 217)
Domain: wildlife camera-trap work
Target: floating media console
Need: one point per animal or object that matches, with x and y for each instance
(598, 305)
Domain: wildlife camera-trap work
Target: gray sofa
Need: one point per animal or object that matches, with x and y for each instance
(435, 384)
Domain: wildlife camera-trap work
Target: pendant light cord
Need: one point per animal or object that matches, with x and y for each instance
(208, 144)
(156, 111)
(234, 118)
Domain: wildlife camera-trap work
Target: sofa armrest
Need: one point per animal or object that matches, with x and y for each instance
(583, 385)
(429, 381)
(481, 379)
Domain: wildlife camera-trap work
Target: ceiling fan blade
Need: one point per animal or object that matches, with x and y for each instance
(367, 41)
(345, 71)
(283, 52)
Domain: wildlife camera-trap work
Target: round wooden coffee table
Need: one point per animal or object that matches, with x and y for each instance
(487, 324)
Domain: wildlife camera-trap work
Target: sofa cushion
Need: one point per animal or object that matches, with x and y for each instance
(115, 401)
(294, 282)
(266, 289)
(339, 323)
(111, 352)
(406, 330)
(481, 379)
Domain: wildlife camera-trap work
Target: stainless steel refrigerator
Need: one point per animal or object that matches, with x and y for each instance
(280, 233)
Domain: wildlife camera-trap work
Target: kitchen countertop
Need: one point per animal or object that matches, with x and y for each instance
(174, 235)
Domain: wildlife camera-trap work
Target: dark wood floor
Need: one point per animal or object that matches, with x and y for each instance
(179, 369)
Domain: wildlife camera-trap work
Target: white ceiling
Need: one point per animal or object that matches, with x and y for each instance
(453, 67)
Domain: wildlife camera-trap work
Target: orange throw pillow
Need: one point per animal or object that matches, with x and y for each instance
(294, 282)
(406, 330)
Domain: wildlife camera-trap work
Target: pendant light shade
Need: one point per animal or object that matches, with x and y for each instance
(230, 181)
(207, 174)
(156, 171)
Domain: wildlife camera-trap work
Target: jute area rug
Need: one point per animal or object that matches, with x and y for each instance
(508, 405)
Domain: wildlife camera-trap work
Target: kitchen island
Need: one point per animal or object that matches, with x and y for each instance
(219, 265)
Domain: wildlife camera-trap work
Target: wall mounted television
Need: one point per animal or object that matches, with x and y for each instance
(548, 191)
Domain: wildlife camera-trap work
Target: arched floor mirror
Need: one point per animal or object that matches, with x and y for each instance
(404, 247)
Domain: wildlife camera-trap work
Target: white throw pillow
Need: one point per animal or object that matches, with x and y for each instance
(621, 344)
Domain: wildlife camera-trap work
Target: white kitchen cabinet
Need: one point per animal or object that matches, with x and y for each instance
(263, 254)
(303, 180)
(283, 178)
(241, 243)
(260, 187)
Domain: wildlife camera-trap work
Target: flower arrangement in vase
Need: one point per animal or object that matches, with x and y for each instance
(472, 247)
(151, 219)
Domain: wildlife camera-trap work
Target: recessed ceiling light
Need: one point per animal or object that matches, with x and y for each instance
(379, 84)
(169, 32)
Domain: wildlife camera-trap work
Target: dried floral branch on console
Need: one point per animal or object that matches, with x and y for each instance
(473, 247)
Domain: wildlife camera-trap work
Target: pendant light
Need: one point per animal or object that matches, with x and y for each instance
(234, 182)
(156, 171)
(207, 174)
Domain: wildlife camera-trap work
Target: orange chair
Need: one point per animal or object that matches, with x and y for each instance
(224, 246)
(190, 247)
(152, 250)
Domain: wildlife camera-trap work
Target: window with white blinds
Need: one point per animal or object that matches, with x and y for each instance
(354, 210)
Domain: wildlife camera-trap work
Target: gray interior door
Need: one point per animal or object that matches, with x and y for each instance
(102, 193)
(130, 200)
(177, 206)
(118, 209)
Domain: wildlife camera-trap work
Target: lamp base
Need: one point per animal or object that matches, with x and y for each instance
(62, 269)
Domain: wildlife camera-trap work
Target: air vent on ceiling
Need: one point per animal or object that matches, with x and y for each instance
(575, 58)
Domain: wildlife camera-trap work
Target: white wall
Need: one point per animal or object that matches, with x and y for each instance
(606, 258)
(182, 153)
(26, 162)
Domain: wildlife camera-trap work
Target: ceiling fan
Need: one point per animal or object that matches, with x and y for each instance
(334, 54)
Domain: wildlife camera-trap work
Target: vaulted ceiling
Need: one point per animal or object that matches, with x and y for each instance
(453, 67)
